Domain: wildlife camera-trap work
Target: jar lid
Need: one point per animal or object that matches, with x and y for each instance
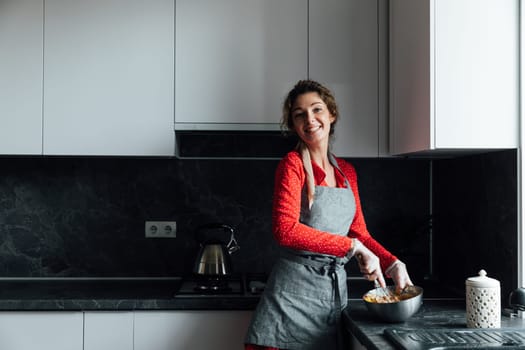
(482, 281)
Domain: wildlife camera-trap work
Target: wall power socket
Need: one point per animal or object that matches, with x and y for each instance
(161, 229)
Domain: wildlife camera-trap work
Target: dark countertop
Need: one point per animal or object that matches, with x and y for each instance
(440, 314)
(111, 294)
(117, 293)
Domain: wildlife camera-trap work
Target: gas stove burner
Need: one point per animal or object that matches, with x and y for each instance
(212, 285)
(232, 285)
(212, 288)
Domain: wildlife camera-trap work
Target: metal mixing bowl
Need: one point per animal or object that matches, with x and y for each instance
(398, 311)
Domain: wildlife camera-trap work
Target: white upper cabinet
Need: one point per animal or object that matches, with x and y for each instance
(454, 75)
(236, 60)
(21, 24)
(347, 51)
(108, 77)
(112, 77)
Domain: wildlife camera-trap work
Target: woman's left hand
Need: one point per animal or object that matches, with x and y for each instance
(399, 274)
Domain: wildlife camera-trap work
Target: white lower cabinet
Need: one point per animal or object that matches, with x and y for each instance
(126, 330)
(28, 330)
(108, 330)
(195, 330)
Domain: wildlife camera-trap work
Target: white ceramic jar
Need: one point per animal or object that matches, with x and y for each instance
(483, 301)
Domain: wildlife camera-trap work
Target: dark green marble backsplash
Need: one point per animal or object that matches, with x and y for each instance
(81, 217)
(85, 216)
(475, 219)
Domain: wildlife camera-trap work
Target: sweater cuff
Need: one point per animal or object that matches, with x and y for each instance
(355, 246)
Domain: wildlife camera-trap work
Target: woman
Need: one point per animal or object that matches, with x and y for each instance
(318, 221)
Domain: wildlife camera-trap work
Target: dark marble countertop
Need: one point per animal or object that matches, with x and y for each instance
(116, 293)
(111, 294)
(433, 314)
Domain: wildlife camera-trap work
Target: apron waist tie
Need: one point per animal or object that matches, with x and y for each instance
(333, 264)
(314, 260)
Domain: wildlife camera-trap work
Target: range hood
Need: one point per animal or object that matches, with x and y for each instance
(232, 141)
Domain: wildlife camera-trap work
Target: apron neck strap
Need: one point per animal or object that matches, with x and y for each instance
(333, 161)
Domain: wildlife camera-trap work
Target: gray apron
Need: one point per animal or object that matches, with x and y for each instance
(306, 292)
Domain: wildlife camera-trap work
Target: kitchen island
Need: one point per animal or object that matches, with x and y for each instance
(433, 314)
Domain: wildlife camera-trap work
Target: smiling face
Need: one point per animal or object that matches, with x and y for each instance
(307, 89)
(311, 119)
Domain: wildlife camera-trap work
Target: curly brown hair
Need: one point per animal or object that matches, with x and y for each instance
(303, 87)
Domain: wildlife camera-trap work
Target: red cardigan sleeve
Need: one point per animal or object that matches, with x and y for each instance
(291, 233)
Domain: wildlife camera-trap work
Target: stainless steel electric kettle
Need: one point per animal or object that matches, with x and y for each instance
(213, 258)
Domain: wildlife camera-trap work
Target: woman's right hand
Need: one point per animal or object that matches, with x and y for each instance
(368, 263)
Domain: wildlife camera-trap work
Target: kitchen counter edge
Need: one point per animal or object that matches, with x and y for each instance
(111, 294)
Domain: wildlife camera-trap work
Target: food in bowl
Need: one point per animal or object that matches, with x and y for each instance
(388, 295)
(393, 307)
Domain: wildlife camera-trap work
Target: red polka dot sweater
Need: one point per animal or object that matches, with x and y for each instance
(289, 232)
